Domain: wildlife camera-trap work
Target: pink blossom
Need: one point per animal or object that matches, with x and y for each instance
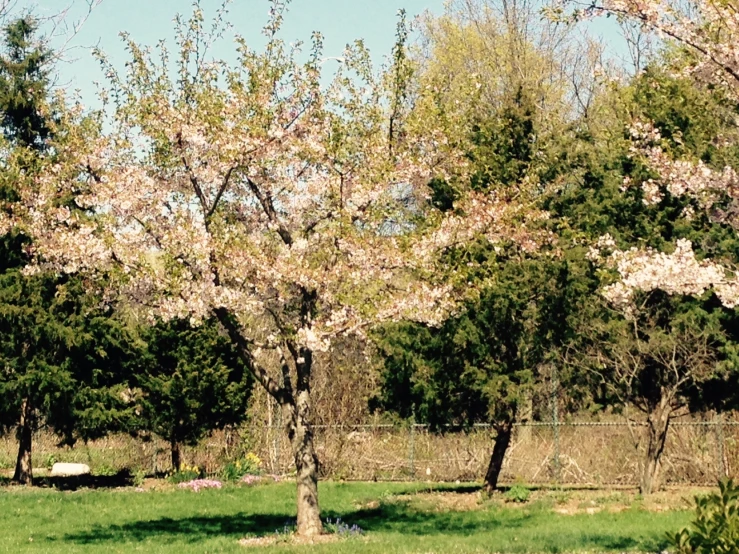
(197, 484)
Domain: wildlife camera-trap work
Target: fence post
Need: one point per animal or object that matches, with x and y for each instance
(720, 440)
(555, 422)
(412, 446)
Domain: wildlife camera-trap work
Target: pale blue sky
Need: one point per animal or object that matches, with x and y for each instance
(148, 21)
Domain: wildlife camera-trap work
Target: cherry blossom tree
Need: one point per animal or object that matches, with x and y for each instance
(294, 213)
(709, 30)
(654, 361)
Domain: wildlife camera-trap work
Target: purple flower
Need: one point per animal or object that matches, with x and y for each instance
(251, 479)
(197, 484)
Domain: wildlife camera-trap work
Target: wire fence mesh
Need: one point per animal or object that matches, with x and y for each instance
(592, 453)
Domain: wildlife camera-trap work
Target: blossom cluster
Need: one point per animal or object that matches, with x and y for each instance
(679, 272)
(679, 177)
(250, 479)
(710, 29)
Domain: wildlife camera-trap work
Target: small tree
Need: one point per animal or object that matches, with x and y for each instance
(62, 363)
(467, 372)
(488, 363)
(191, 383)
(654, 359)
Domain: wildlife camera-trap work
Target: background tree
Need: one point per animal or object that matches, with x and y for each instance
(484, 365)
(25, 68)
(654, 360)
(656, 353)
(63, 356)
(191, 382)
(63, 360)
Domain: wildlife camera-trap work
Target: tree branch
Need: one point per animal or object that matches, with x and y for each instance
(235, 333)
(269, 210)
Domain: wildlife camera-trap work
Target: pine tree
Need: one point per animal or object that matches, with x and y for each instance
(63, 358)
(24, 85)
(191, 382)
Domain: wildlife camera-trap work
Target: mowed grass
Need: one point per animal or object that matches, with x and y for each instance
(395, 518)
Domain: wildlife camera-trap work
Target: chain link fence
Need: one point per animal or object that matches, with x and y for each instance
(582, 453)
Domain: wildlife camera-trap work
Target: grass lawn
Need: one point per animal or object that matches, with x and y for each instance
(395, 518)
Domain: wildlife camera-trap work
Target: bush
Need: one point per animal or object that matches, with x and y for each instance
(248, 465)
(517, 493)
(186, 474)
(715, 529)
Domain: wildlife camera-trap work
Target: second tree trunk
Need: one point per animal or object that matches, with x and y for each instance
(502, 441)
(176, 455)
(24, 466)
(658, 421)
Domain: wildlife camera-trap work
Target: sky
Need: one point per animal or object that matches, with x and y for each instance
(148, 21)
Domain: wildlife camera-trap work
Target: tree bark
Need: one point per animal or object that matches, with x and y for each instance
(176, 454)
(658, 421)
(296, 406)
(300, 433)
(24, 466)
(502, 441)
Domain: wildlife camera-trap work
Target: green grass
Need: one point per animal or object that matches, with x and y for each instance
(181, 522)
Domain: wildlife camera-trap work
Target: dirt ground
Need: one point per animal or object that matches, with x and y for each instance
(563, 500)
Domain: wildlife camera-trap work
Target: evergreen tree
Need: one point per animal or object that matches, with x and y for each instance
(63, 357)
(670, 352)
(24, 85)
(487, 364)
(191, 382)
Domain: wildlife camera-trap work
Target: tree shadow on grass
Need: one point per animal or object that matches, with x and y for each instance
(190, 529)
(400, 517)
(601, 543)
(123, 478)
(384, 518)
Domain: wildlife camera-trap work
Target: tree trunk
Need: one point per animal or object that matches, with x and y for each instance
(658, 421)
(300, 433)
(502, 441)
(23, 466)
(296, 406)
(176, 455)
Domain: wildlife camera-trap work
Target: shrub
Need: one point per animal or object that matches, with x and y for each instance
(248, 465)
(715, 529)
(186, 474)
(138, 477)
(517, 493)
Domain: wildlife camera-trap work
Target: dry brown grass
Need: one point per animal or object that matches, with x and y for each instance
(588, 455)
